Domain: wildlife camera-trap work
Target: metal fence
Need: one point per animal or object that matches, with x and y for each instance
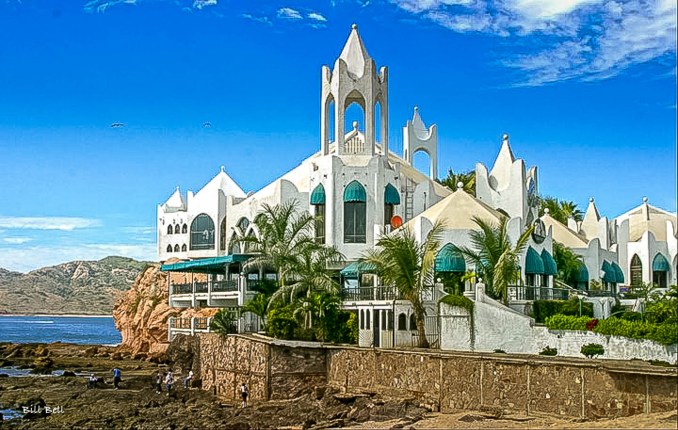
(182, 288)
(370, 293)
(225, 285)
(527, 293)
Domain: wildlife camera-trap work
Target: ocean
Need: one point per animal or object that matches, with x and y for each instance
(47, 329)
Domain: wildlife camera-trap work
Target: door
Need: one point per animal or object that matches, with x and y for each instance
(376, 329)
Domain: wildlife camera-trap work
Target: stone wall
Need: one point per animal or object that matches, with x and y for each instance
(452, 382)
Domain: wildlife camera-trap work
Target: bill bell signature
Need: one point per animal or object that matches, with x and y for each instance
(39, 410)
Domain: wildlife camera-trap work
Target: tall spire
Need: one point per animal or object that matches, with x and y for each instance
(501, 170)
(589, 225)
(354, 53)
(175, 201)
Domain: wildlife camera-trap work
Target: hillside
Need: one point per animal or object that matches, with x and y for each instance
(76, 287)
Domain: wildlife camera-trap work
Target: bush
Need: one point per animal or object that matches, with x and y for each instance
(590, 350)
(566, 322)
(631, 316)
(592, 324)
(281, 323)
(542, 309)
(459, 301)
(224, 322)
(352, 325)
(666, 334)
(549, 351)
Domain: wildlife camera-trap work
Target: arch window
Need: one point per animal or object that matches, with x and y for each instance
(176, 248)
(383, 320)
(202, 232)
(184, 228)
(318, 202)
(234, 245)
(355, 213)
(362, 319)
(169, 248)
(413, 322)
(243, 223)
(367, 319)
(170, 230)
(391, 199)
(402, 322)
(177, 229)
(636, 271)
(183, 248)
(222, 235)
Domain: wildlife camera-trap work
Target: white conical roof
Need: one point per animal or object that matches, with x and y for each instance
(175, 200)
(354, 53)
(224, 183)
(589, 225)
(501, 170)
(418, 126)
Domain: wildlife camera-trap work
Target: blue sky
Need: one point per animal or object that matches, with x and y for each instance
(585, 88)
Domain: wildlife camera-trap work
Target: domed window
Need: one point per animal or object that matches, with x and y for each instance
(184, 228)
(355, 213)
(170, 230)
(169, 248)
(177, 229)
(202, 232)
(176, 248)
(183, 248)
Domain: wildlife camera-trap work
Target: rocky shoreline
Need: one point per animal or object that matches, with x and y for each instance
(136, 404)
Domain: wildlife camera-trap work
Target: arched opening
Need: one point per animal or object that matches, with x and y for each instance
(402, 322)
(248, 245)
(177, 229)
(330, 109)
(391, 199)
(202, 232)
(354, 111)
(184, 228)
(170, 230)
(234, 245)
(636, 271)
(318, 203)
(367, 319)
(413, 323)
(362, 319)
(183, 248)
(169, 248)
(222, 235)
(660, 271)
(378, 135)
(176, 248)
(421, 160)
(355, 213)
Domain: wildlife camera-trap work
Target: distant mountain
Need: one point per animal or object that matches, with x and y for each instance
(77, 287)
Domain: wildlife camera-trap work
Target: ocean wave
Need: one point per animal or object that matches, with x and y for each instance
(38, 322)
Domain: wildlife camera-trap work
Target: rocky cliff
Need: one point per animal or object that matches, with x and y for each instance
(76, 287)
(141, 314)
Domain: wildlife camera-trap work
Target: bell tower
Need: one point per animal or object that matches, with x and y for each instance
(354, 79)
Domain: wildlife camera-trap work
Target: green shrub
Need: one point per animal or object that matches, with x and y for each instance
(590, 350)
(281, 323)
(352, 325)
(542, 309)
(566, 322)
(631, 316)
(666, 334)
(224, 322)
(549, 351)
(459, 301)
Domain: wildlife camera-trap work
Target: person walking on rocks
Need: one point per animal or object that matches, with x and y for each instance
(117, 377)
(158, 382)
(244, 393)
(188, 379)
(169, 380)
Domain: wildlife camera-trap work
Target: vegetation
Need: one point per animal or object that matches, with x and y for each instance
(408, 265)
(591, 350)
(663, 308)
(258, 306)
(224, 322)
(565, 322)
(568, 264)
(542, 309)
(468, 178)
(495, 258)
(464, 303)
(560, 210)
(665, 333)
(549, 351)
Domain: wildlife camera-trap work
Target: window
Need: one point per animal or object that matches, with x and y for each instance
(177, 229)
(222, 235)
(388, 213)
(169, 248)
(391, 198)
(367, 319)
(355, 213)
(243, 223)
(170, 230)
(183, 248)
(184, 228)
(202, 232)
(636, 271)
(402, 322)
(383, 320)
(320, 223)
(176, 248)
(390, 320)
(413, 322)
(530, 279)
(362, 319)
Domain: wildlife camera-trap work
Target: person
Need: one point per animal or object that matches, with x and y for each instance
(169, 380)
(243, 393)
(158, 382)
(92, 381)
(188, 379)
(117, 377)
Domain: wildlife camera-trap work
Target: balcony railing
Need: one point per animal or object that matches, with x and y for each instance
(180, 323)
(369, 293)
(225, 285)
(526, 293)
(201, 287)
(201, 323)
(254, 283)
(600, 293)
(182, 288)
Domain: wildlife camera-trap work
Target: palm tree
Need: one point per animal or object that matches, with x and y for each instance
(468, 178)
(284, 236)
(223, 322)
(568, 263)
(408, 265)
(495, 258)
(560, 210)
(258, 306)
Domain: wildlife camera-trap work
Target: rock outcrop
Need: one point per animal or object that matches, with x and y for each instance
(141, 315)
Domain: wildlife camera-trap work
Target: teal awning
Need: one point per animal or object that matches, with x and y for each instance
(318, 195)
(205, 265)
(354, 269)
(550, 266)
(448, 260)
(583, 274)
(354, 192)
(610, 275)
(660, 264)
(533, 262)
(619, 274)
(391, 196)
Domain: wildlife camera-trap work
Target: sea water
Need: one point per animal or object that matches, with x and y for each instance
(47, 329)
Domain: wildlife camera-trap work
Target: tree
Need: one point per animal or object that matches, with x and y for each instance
(223, 322)
(402, 262)
(258, 306)
(568, 264)
(468, 178)
(495, 258)
(560, 210)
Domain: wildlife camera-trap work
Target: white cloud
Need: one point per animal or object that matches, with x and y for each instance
(199, 4)
(582, 39)
(261, 19)
(47, 223)
(316, 17)
(289, 13)
(16, 240)
(100, 6)
(26, 259)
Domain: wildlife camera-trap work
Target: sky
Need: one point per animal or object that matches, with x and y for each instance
(586, 89)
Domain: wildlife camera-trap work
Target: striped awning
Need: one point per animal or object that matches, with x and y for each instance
(354, 192)
(550, 266)
(448, 260)
(660, 264)
(318, 195)
(391, 196)
(533, 262)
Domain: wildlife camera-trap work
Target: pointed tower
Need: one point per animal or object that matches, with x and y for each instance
(416, 137)
(500, 175)
(176, 201)
(354, 79)
(594, 226)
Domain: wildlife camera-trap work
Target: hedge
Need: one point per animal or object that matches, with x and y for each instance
(666, 334)
(542, 309)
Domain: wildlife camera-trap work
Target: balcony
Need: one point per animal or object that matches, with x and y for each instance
(225, 286)
(182, 288)
(527, 293)
(600, 293)
(369, 293)
(201, 287)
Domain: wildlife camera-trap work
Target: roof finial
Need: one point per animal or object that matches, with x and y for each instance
(460, 185)
(355, 125)
(416, 108)
(222, 168)
(505, 137)
(591, 200)
(645, 199)
(177, 188)
(547, 210)
(354, 26)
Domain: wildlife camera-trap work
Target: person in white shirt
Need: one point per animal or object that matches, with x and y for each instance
(188, 379)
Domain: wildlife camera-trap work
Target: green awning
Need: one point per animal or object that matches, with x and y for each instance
(391, 196)
(619, 274)
(660, 264)
(205, 265)
(448, 260)
(550, 266)
(354, 192)
(318, 195)
(355, 268)
(583, 274)
(610, 275)
(533, 262)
